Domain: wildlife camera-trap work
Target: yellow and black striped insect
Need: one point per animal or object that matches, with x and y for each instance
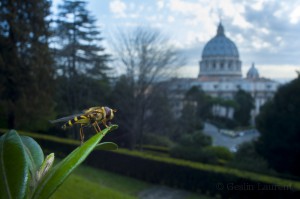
(89, 117)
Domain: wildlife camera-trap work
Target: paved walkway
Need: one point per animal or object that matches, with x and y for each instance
(229, 142)
(161, 192)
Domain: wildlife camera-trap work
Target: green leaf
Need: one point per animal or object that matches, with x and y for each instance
(107, 146)
(14, 173)
(55, 177)
(34, 154)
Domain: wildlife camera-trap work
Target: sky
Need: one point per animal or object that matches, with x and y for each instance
(264, 31)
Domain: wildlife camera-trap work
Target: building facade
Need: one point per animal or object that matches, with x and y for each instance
(220, 75)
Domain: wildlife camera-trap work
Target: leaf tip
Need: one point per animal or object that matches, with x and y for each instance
(113, 127)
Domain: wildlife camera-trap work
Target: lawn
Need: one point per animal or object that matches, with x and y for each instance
(89, 183)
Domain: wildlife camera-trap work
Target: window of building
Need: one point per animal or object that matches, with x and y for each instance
(222, 65)
(214, 65)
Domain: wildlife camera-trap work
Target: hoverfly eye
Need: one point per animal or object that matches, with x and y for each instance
(108, 113)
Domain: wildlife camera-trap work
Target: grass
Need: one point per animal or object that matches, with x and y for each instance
(118, 182)
(89, 183)
(79, 187)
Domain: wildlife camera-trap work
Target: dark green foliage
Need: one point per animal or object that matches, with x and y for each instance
(210, 154)
(156, 140)
(196, 139)
(197, 108)
(193, 154)
(247, 158)
(279, 125)
(161, 121)
(81, 64)
(26, 75)
(198, 147)
(245, 103)
(191, 147)
(188, 122)
(203, 101)
(13, 167)
(219, 152)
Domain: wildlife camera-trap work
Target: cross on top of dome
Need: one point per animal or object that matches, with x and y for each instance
(220, 30)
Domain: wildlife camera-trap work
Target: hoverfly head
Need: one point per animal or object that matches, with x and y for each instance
(109, 113)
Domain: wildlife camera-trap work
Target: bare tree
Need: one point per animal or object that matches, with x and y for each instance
(147, 58)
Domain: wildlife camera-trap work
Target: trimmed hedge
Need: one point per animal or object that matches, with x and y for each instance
(160, 149)
(197, 177)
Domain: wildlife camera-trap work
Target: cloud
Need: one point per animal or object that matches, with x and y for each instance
(171, 19)
(265, 31)
(295, 15)
(118, 8)
(160, 4)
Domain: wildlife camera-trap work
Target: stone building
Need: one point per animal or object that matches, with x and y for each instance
(220, 75)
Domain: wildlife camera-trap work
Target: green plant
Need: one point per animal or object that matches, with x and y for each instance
(24, 172)
(157, 140)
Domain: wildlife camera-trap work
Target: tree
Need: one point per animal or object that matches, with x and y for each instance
(203, 101)
(160, 119)
(146, 58)
(81, 61)
(245, 104)
(246, 156)
(279, 125)
(26, 75)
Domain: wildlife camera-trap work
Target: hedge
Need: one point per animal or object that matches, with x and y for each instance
(197, 177)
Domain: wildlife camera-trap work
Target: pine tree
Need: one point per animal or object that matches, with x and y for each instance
(25, 64)
(81, 61)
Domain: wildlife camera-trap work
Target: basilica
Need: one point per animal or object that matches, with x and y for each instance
(220, 75)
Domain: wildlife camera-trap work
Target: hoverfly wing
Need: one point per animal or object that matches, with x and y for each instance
(64, 119)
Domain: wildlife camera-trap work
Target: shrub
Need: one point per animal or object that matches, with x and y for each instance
(210, 154)
(157, 140)
(245, 158)
(220, 152)
(197, 139)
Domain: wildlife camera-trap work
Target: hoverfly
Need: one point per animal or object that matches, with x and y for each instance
(89, 117)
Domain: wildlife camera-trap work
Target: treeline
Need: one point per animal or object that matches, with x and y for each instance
(55, 65)
(50, 65)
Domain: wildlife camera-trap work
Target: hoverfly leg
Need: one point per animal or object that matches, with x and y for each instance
(96, 127)
(104, 123)
(81, 135)
(99, 129)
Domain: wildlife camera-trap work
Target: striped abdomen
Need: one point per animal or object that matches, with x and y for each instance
(76, 120)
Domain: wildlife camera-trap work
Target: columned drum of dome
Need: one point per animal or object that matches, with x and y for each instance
(220, 57)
